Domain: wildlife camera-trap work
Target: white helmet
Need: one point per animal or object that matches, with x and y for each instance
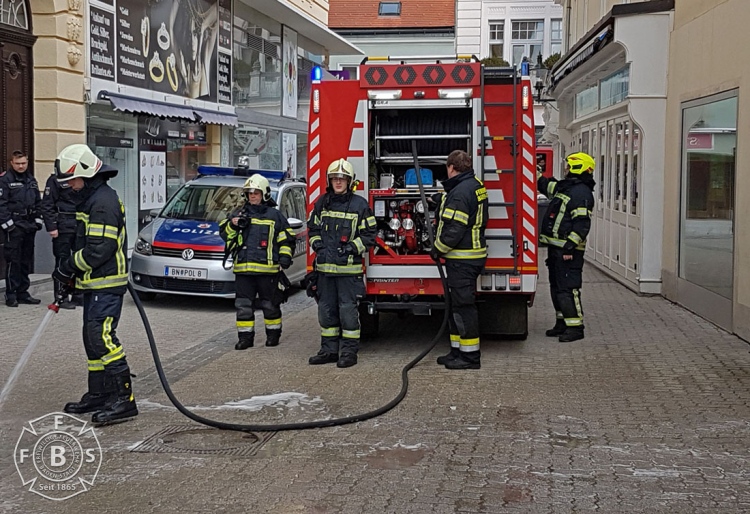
(76, 161)
(340, 168)
(260, 183)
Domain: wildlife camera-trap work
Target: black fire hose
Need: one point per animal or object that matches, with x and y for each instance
(306, 424)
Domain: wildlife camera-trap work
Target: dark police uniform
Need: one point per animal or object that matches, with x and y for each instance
(20, 219)
(564, 229)
(341, 229)
(99, 263)
(265, 243)
(460, 239)
(59, 205)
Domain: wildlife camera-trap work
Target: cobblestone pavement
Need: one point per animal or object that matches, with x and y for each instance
(648, 414)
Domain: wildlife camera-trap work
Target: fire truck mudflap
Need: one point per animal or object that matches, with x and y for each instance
(443, 105)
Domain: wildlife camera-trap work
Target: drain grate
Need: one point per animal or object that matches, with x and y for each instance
(204, 441)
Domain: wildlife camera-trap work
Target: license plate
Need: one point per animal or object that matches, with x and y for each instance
(186, 273)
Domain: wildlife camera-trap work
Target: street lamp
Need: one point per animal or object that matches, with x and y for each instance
(539, 74)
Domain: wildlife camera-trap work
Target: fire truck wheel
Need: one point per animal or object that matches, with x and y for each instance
(369, 323)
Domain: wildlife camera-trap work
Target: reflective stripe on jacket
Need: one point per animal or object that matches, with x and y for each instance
(568, 218)
(462, 218)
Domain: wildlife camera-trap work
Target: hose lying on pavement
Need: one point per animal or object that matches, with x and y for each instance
(304, 425)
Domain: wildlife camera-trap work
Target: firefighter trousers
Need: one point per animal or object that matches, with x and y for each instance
(338, 300)
(565, 280)
(19, 254)
(101, 314)
(463, 319)
(248, 287)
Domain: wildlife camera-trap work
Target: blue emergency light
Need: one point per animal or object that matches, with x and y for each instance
(317, 73)
(239, 172)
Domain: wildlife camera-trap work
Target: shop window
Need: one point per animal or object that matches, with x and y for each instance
(257, 147)
(527, 38)
(634, 171)
(709, 150)
(497, 38)
(257, 78)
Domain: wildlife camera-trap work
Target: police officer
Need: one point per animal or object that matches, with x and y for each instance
(564, 229)
(98, 267)
(460, 240)
(260, 240)
(20, 219)
(59, 211)
(341, 229)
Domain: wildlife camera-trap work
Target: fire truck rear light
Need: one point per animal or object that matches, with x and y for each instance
(485, 282)
(386, 94)
(515, 283)
(454, 93)
(316, 101)
(525, 97)
(501, 282)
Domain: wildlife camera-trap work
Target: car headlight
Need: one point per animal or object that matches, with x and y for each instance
(143, 247)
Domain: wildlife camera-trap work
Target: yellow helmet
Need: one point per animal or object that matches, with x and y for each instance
(340, 168)
(580, 163)
(258, 182)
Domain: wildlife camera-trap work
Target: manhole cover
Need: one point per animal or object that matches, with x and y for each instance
(204, 441)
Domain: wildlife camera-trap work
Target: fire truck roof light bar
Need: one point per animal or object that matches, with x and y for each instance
(454, 93)
(385, 94)
(404, 58)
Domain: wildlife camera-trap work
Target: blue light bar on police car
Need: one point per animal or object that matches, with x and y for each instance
(241, 172)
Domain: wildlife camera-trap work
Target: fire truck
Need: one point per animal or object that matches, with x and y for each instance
(444, 104)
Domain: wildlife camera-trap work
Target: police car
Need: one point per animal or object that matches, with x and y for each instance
(181, 251)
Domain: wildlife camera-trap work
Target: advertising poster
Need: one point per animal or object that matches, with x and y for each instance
(171, 47)
(153, 180)
(289, 65)
(290, 155)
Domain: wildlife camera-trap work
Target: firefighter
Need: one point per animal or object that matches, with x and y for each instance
(341, 229)
(20, 219)
(460, 240)
(98, 267)
(59, 211)
(260, 240)
(564, 229)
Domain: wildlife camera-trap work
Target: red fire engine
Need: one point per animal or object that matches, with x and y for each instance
(443, 104)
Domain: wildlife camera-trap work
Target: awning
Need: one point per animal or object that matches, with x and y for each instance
(286, 13)
(135, 105)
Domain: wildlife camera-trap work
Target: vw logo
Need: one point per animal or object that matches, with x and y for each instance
(188, 254)
(202, 225)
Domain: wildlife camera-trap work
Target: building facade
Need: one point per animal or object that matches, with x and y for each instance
(706, 233)
(611, 92)
(158, 88)
(385, 28)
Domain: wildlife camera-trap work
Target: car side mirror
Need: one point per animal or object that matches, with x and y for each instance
(154, 212)
(295, 223)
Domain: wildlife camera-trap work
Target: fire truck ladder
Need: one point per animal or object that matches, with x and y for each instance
(505, 74)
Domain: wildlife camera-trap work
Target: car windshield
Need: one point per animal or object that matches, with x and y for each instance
(204, 202)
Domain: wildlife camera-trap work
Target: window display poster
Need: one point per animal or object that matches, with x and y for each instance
(290, 155)
(289, 65)
(152, 180)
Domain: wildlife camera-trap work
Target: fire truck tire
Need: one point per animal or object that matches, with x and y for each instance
(369, 324)
(504, 317)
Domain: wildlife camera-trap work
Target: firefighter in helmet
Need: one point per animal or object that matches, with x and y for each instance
(341, 229)
(98, 268)
(564, 229)
(460, 240)
(260, 240)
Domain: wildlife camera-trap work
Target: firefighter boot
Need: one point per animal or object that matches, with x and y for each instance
(323, 357)
(273, 337)
(465, 360)
(122, 404)
(93, 400)
(443, 359)
(347, 360)
(571, 334)
(245, 341)
(557, 330)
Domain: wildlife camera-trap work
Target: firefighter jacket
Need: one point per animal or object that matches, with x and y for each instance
(99, 260)
(59, 205)
(20, 203)
(568, 217)
(264, 237)
(341, 229)
(462, 216)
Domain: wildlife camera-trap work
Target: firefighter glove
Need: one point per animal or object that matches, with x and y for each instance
(311, 284)
(347, 249)
(285, 261)
(317, 245)
(65, 278)
(538, 171)
(434, 254)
